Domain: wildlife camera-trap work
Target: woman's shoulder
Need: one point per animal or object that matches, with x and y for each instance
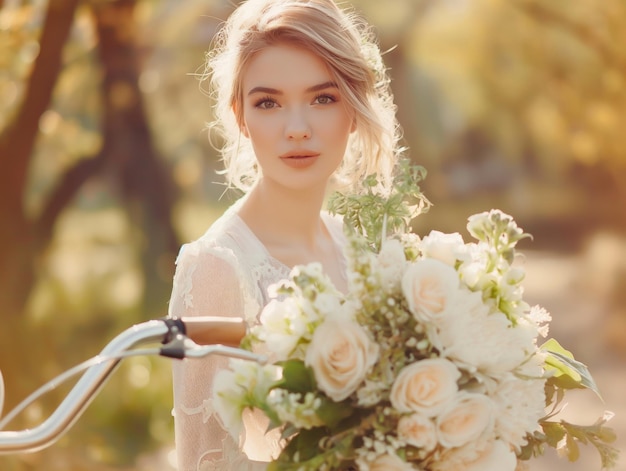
(219, 239)
(217, 261)
(229, 239)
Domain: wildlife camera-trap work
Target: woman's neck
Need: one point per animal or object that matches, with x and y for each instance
(279, 215)
(289, 225)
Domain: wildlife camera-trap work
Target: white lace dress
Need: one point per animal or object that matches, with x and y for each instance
(226, 272)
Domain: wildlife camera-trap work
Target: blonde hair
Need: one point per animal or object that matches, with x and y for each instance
(344, 43)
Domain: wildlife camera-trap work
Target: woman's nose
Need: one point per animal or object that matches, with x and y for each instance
(297, 126)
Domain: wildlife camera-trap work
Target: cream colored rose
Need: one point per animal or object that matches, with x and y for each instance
(419, 431)
(389, 462)
(340, 354)
(465, 420)
(426, 386)
(494, 455)
(429, 287)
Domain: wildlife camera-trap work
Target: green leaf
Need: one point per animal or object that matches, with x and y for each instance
(567, 437)
(554, 433)
(304, 445)
(297, 377)
(562, 382)
(597, 434)
(572, 450)
(332, 413)
(561, 363)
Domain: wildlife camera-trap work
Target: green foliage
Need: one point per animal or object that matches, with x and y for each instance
(545, 96)
(566, 437)
(564, 372)
(377, 213)
(297, 377)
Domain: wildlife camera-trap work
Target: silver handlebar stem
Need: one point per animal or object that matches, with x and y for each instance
(83, 391)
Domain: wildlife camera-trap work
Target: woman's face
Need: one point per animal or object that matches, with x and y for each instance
(296, 119)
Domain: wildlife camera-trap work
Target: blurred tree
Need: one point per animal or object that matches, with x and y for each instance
(128, 147)
(537, 86)
(585, 79)
(22, 239)
(123, 156)
(395, 21)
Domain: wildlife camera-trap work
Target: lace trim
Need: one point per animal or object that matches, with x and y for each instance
(232, 458)
(207, 409)
(185, 287)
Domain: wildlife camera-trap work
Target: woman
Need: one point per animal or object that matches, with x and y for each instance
(303, 106)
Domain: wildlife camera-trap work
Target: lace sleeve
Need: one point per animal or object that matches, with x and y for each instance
(205, 284)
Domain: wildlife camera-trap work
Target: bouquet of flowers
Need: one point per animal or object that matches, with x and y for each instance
(431, 361)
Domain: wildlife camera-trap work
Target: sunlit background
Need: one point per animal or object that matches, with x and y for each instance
(106, 168)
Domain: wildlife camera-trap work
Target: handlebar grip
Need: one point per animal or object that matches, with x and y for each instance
(212, 330)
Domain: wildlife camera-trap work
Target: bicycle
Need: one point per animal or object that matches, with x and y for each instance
(193, 337)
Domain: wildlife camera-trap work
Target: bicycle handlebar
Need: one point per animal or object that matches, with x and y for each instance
(182, 337)
(215, 330)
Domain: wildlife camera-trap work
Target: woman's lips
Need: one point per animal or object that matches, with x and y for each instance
(299, 160)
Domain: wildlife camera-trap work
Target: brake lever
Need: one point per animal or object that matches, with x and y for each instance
(182, 346)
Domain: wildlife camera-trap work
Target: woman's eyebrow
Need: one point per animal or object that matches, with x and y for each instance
(268, 90)
(322, 86)
(274, 91)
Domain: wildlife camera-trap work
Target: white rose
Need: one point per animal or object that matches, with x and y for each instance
(389, 462)
(429, 287)
(419, 431)
(340, 354)
(465, 420)
(491, 456)
(443, 247)
(425, 386)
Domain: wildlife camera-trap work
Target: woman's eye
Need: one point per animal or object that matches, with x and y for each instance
(266, 104)
(324, 99)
